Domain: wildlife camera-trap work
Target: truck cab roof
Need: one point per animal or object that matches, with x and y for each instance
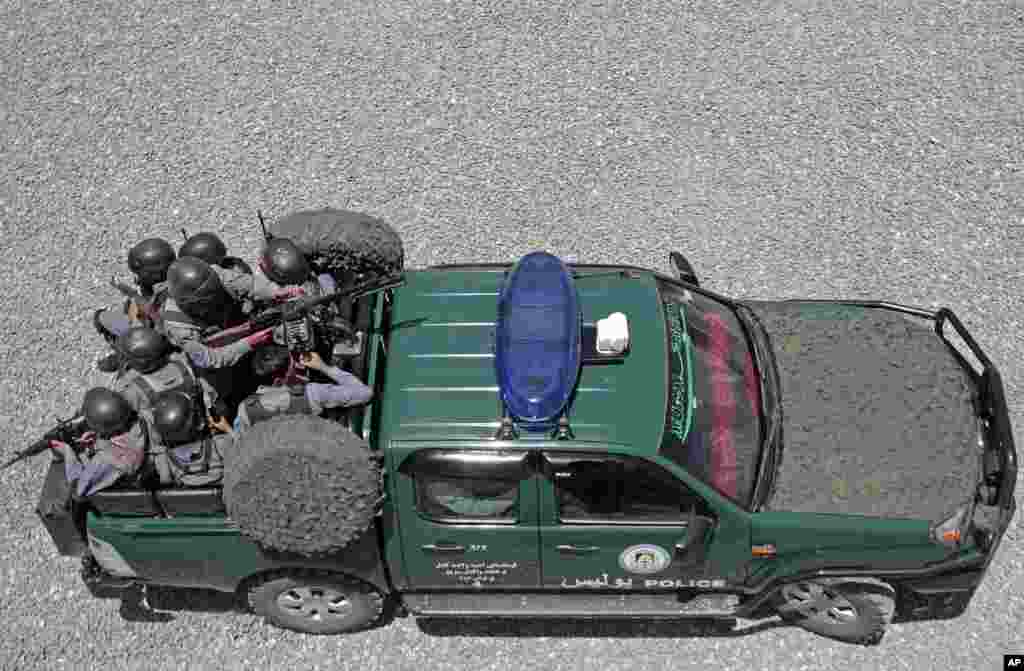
(439, 376)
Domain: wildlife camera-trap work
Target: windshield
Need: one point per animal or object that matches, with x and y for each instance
(713, 418)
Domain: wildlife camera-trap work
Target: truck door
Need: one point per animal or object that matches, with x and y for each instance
(468, 520)
(622, 523)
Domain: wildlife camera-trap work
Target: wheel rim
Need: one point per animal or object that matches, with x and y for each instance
(818, 602)
(317, 604)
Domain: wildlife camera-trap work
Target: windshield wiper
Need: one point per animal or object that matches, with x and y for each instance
(771, 448)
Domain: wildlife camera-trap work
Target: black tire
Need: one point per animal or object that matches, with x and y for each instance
(315, 602)
(351, 246)
(301, 484)
(849, 612)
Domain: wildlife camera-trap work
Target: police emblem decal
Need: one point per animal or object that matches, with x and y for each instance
(644, 559)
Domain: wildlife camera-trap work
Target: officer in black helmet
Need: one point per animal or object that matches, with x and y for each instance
(153, 367)
(149, 261)
(210, 248)
(205, 299)
(187, 446)
(120, 446)
(285, 273)
(273, 397)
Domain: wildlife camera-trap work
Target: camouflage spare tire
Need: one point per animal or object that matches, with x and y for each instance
(301, 484)
(351, 246)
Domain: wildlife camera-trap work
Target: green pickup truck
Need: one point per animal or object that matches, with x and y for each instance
(583, 441)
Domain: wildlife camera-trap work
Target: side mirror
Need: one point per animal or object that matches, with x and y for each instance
(696, 532)
(682, 269)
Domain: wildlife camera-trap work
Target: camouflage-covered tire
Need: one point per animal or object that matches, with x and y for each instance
(351, 246)
(301, 484)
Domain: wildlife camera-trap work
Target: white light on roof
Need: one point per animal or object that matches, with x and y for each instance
(613, 334)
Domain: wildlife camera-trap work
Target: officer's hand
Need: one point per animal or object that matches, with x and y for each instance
(312, 360)
(134, 311)
(286, 293)
(219, 424)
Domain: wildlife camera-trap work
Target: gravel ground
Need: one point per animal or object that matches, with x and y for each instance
(850, 149)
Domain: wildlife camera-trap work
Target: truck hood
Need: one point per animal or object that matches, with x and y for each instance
(878, 417)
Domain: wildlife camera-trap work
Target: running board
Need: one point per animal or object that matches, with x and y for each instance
(583, 606)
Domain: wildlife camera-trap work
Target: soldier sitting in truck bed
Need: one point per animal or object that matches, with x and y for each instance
(273, 398)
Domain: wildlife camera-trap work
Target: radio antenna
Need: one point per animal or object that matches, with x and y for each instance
(263, 226)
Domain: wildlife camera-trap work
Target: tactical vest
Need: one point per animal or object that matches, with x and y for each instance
(298, 404)
(203, 466)
(187, 384)
(155, 304)
(170, 317)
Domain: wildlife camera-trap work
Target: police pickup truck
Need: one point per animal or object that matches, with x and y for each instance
(552, 440)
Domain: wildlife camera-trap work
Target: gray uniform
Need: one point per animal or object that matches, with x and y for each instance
(199, 463)
(114, 319)
(140, 389)
(187, 334)
(263, 287)
(115, 457)
(311, 399)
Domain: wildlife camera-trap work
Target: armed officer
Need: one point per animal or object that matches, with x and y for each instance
(153, 367)
(188, 448)
(149, 261)
(205, 299)
(120, 447)
(272, 398)
(284, 273)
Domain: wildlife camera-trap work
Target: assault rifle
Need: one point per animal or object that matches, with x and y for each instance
(66, 431)
(299, 308)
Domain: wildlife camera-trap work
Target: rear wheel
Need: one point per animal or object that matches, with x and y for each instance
(315, 602)
(851, 613)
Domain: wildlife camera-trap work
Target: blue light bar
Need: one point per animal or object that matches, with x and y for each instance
(537, 353)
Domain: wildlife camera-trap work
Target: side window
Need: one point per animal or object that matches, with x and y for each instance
(619, 489)
(460, 486)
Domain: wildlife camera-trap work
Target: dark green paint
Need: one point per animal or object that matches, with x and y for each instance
(436, 388)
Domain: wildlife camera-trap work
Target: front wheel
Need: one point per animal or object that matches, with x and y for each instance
(316, 602)
(851, 613)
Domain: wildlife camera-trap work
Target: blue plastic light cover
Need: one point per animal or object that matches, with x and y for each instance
(538, 340)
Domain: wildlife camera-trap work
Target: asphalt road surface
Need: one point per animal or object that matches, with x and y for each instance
(793, 149)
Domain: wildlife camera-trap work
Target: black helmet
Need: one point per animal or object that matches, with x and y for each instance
(236, 264)
(205, 246)
(174, 417)
(197, 290)
(150, 259)
(144, 349)
(107, 412)
(283, 262)
(269, 359)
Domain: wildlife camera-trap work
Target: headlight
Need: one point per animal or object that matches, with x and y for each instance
(950, 532)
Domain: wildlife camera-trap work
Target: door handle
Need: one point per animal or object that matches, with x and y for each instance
(577, 549)
(444, 547)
